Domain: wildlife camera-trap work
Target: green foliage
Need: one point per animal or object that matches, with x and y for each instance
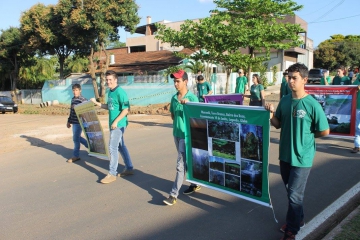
(274, 71)
(249, 24)
(76, 64)
(169, 71)
(262, 68)
(338, 50)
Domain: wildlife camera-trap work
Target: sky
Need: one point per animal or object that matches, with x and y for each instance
(324, 17)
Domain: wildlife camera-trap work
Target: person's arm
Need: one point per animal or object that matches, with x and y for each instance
(172, 116)
(262, 94)
(273, 119)
(322, 133)
(118, 118)
(104, 106)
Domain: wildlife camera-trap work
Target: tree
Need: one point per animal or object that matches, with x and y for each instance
(237, 30)
(76, 64)
(93, 24)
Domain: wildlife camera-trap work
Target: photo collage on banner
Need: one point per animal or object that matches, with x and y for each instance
(227, 150)
(339, 105)
(235, 99)
(92, 129)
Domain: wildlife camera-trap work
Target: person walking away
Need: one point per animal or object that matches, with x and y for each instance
(203, 88)
(241, 83)
(118, 106)
(73, 122)
(257, 93)
(182, 96)
(301, 119)
(340, 78)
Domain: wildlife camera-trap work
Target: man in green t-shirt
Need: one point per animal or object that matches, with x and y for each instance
(241, 83)
(203, 88)
(118, 106)
(325, 76)
(301, 119)
(340, 78)
(356, 148)
(284, 88)
(182, 96)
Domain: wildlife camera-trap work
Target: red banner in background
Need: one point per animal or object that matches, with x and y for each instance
(339, 104)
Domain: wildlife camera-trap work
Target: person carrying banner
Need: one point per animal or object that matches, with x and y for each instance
(327, 77)
(257, 94)
(301, 119)
(340, 78)
(356, 148)
(182, 96)
(203, 88)
(118, 106)
(284, 88)
(241, 83)
(74, 122)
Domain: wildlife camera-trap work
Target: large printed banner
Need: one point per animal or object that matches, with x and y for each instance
(227, 149)
(235, 99)
(339, 104)
(92, 129)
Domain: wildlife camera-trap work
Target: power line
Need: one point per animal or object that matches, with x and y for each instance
(322, 16)
(334, 19)
(321, 8)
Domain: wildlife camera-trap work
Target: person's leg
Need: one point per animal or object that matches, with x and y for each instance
(76, 138)
(357, 132)
(180, 166)
(124, 151)
(296, 184)
(115, 138)
(83, 141)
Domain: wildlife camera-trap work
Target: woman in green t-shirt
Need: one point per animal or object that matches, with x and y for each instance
(257, 94)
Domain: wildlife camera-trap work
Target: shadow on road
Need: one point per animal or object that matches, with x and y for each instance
(150, 124)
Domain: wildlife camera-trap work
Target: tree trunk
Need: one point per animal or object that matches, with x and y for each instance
(92, 73)
(228, 72)
(15, 75)
(105, 67)
(61, 63)
(252, 56)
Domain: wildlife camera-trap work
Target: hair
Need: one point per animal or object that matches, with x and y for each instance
(200, 78)
(300, 68)
(257, 77)
(341, 67)
(76, 86)
(111, 73)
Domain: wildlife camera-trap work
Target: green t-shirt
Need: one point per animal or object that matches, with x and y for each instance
(240, 84)
(322, 80)
(117, 101)
(297, 136)
(284, 89)
(345, 80)
(203, 89)
(357, 82)
(255, 91)
(177, 109)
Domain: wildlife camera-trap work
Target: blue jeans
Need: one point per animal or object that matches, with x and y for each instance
(117, 145)
(180, 166)
(357, 129)
(76, 128)
(295, 179)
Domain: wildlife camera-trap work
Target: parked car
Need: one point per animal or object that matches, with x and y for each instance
(315, 75)
(7, 105)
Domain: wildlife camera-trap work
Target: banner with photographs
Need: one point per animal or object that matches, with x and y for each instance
(235, 99)
(339, 104)
(227, 149)
(92, 129)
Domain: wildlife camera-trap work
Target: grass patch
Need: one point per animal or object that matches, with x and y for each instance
(351, 230)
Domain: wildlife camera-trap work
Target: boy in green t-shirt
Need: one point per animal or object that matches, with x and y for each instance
(118, 106)
(241, 83)
(203, 88)
(301, 119)
(284, 88)
(182, 96)
(340, 78)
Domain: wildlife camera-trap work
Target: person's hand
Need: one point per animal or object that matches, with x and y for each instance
(114, 125)
(183, 101)
(68, 125)
(325, 74)
(269, 107)
(93, 100)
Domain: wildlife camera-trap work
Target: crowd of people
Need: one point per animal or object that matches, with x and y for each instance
(298, 127)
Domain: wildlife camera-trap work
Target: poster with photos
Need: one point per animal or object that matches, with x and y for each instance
(92, 129)
(227, 149)
(339, 105)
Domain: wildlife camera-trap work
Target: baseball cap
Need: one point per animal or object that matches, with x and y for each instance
(180, 74)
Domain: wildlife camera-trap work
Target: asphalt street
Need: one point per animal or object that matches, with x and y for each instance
(43, 197)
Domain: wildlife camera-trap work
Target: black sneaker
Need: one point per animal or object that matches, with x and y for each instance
(170, 200)
(192, 189)
(283, 227)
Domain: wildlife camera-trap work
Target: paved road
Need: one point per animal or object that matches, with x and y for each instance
(43, 197)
